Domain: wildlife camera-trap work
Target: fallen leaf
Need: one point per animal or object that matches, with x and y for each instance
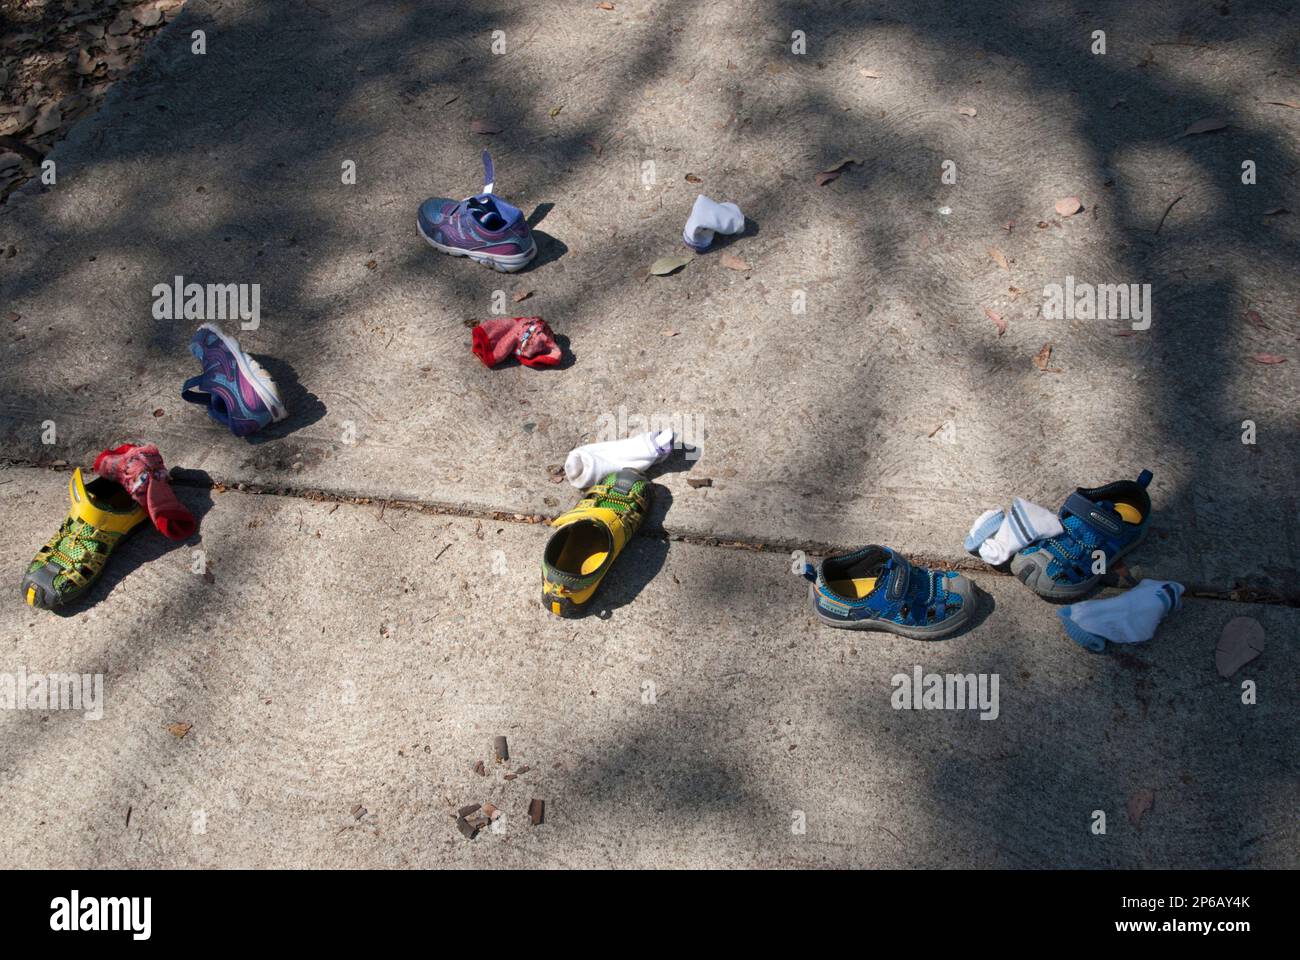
(692, 178)
(1068, 206)
(484, 127)
(147, 15)
(832, 173)
(521, 296)
(997, 319)
(1268, 358)
(670, 333)
(1254, 318)
(555, 112)
(669, 264)
(696, 482)
(605, 5)
(179, 730)
(966, 111)
(1139, 804)
(870, 74)
(47, 119)
(371, 264)
(1208, 125)
(1242, 641)
(536, 811)
(1293, 104)
(732, 262)
(121, 23)
(1043, 358)
(999, 258)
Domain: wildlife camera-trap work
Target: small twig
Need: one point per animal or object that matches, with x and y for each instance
(1167, 209)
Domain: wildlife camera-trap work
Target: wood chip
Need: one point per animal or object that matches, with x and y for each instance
(536, 811)
(501, 749)
(467, 829)
(465, 811)
(697, 482)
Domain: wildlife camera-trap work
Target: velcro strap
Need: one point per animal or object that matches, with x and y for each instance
(899, 578)
(1106, 522)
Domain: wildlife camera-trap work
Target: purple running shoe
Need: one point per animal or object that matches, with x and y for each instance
(234, 387)
(482, 227)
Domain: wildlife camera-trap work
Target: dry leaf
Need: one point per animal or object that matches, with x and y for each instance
(833, 173)
(605, 5)
(670, 264)
(1255, 320)
(966, 111)
(179, 730)
(49, 118)
(1293, 104)
(1242, 641)
(870, 74)
(692, 178)
(733, 263)
(1043, 358)
(147, 15)
(1208, 125)
(521, 296)
(484, 127)
(1268, 358)
(1139, 804)
(670, 333)
(1068, 206)
(997, 319)
(999, 258)
(555, 111)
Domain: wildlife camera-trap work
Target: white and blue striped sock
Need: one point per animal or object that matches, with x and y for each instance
(1023, 524)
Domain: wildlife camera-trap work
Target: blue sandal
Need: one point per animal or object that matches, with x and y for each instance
(1111, 519)
(875, 588)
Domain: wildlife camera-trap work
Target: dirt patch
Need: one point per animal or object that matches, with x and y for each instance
(58, 60)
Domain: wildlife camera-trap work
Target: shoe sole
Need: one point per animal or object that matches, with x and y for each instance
(497, 261)
(1075, 591)
(936, 632)
(264, 391)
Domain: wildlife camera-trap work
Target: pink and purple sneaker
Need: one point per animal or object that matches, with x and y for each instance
(482, 227)
(235, 388)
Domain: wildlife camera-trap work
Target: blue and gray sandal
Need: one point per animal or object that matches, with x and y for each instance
(1102, 524)
(877, 589)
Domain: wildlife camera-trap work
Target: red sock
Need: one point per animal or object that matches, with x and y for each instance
(140, 470)
(529, 339)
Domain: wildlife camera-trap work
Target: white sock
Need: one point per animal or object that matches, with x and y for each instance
(1024, 523)
(1131, 617)
(588, 464)
(709, 217)
(985, 525)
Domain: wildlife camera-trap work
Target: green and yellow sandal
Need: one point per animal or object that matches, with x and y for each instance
(589, 538)
(102, 514)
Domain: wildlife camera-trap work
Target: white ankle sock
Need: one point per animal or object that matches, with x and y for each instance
(1131, 617)
(985, 525)
(709, 217)
(589, 464)
(1024, 523)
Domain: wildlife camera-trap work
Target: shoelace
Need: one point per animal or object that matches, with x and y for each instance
(83, 536)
